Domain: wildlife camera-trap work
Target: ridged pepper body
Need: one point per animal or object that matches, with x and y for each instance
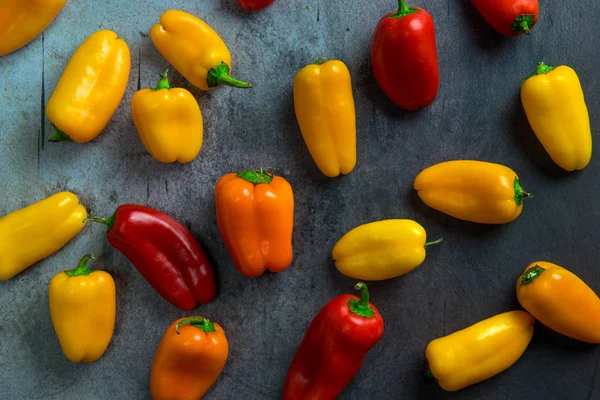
(37, 231)
(195, 50)
(168, 121)
(23, 20)
(90, 89)
(189, 359)
(480, 351)
(325, 111)
(381, 250)
(255, 215)
(473, 191)
(556, 110)
(509, 17)
(83, 306)
(560, 300)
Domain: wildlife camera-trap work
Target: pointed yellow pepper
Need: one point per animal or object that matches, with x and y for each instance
(475, 191)
(168, 121)
(195, 50)
(480, 351)
(325, 111)
(23, 20)
(381, 250)
(90, 89)
(83, 307)
(35, 232)
(556, 110)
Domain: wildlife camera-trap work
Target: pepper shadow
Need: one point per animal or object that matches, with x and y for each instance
(485, 36)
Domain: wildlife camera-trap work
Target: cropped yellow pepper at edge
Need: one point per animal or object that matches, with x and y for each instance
(33, 233)
(83, 306)
(325, 111)
(381, 250)
(474, 191)
(90, 89)
(23, 20)
(169, 122)
(480, 351)
(195, 50)
(555, 106)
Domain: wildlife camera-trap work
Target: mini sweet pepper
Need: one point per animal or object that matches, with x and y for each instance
(509, 17)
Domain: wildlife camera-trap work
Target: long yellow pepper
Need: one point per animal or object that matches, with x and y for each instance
(90, 89)
(556, 110)
(325, 111)
(23, 20)
(82, 308)
(34, 232)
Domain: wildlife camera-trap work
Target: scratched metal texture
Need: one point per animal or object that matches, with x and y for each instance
(469, 277)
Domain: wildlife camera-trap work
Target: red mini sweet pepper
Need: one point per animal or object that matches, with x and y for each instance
(509, 17)
(255, 5)
(404, 57)
(334, 348)
(164, 252)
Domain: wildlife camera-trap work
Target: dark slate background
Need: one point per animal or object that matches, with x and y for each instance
(471, 276)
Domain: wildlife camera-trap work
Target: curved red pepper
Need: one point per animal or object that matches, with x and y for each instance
(255, 4)
(509, 17)
(404, 57)
(334, 348)
(164, 252)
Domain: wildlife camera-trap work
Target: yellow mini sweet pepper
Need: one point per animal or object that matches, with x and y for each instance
(480, 351)
(34, 232)
(195, 50)
(168, 121)
(381, 250)
(556, 110)
(90, 89)
(23, 20)
(325, 111)
(473, 191)
(83, 305)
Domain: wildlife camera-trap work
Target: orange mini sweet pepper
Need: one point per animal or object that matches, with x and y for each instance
(189, 359)
(255, 214)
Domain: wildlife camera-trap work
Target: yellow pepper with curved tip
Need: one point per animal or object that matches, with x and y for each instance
(556, 110)
(325, 111)
(83, 305)
(23, 20)
(381, 250)
(480, 351)
(168, 121)
(90, 89)
(33, 233)
(195, 50)
(474, 191)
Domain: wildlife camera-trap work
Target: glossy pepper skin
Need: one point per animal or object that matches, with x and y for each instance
(255, 5)
(23, 20)
(381, 250)
(164, 252)
(474, 191)
(560, 300)
(189, 359)
(480, 351)
(334, 347)
(168, 121)
(404, 57)
(90, 89)
(325, 111)
(509, 17)
(83, 306)
(194, 49)
(556, 110)
(33, 233)
(255, 214)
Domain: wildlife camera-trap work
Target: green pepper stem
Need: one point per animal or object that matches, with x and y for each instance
(256, 176)
(403, 10)
(201, 323)
(109, 222)
(542, 69)
(440, 240)
(531, 275)
(523, 24)
(320, 61)
(219, 75)
(520, 193)
(82, 268)
(163, 83)
(362, 307)
(58, 135)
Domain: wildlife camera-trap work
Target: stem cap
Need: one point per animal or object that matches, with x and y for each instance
(82, 268)
(361, 307)
(219, 75)
(197, 322)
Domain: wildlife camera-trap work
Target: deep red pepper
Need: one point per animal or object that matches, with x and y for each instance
(404, 57)
(255, 4)
(164, 252)
(334, 348)
(509, 17)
